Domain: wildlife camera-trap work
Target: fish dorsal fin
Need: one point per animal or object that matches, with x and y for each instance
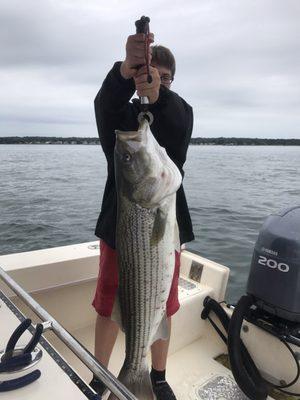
(159, 226)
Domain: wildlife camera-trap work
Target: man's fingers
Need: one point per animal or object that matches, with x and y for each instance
(145, 86)
(142, 82)
(138, 46)
(139, 57)
(145, 92)
(151, 37)
(142, 71)
(140, 38)
(141, 79)
(136, 61)
(135, 54)
(135, 48)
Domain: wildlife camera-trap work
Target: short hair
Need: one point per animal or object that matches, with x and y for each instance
(163, 56)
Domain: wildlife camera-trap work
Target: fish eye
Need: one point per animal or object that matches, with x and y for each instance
(126, 157)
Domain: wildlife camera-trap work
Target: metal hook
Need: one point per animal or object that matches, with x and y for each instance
(145, 115)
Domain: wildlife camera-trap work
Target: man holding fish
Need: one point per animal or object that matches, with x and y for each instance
(144, 216)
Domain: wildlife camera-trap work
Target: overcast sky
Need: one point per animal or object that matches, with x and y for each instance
(238, 62)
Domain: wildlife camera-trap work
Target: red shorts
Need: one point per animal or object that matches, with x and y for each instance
(107, 283)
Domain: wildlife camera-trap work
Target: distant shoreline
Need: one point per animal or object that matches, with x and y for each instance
(221, 141)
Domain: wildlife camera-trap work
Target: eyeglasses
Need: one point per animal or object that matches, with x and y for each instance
(166, 79)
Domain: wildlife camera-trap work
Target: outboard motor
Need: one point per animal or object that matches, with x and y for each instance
(272, 301)
(274, 278)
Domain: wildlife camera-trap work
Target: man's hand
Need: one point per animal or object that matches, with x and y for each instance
(143, 88)
(135, 54)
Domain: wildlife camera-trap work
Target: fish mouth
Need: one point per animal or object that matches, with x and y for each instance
(132, 135)
(137, 136)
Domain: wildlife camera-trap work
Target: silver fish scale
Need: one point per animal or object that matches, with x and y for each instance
(143, 284)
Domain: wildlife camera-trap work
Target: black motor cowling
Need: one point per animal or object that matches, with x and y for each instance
(272, 301)
(274, 278)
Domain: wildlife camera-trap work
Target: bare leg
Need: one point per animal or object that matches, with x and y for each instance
(159, 351)
(105, 338)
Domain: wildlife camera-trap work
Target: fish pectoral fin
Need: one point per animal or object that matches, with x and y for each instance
(162, 331)
(116, 313)
(159, 226)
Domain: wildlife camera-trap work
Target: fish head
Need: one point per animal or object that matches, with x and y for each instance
(145, 174)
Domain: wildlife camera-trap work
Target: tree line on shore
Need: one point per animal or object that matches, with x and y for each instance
(244, 141)
(47, 140)
(223, 141)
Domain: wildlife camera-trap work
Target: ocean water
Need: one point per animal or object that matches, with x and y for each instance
(50, 195)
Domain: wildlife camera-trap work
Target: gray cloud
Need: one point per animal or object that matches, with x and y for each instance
(237, 62)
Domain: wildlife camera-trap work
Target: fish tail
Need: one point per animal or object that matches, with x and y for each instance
(138, 384)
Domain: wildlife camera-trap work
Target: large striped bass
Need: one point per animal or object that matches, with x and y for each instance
(146, 239)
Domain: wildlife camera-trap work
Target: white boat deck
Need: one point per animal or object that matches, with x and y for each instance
(184, 376)
(52, 384)
(188, 367)
(192, 370)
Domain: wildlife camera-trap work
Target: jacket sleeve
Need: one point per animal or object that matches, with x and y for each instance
(112, 107)
(175, 117)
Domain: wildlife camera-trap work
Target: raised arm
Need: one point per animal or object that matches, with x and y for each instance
(112, 106)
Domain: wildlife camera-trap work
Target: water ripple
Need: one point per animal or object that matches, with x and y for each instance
(51, 196)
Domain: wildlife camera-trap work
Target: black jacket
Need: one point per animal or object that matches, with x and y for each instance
(172, 128)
